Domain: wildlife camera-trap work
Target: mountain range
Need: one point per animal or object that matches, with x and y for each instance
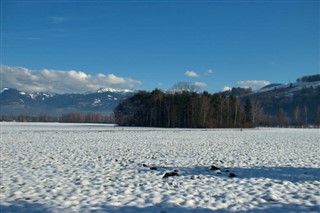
(103, 101)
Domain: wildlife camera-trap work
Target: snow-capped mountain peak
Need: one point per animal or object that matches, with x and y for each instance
(103, 90)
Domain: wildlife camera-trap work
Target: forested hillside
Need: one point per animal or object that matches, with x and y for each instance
(294, 104)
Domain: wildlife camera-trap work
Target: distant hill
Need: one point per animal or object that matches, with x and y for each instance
(15, 102)
(299, 102)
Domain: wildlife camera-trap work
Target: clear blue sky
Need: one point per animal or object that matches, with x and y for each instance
(156, 42)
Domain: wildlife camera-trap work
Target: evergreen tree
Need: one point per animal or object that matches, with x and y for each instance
(248, 111)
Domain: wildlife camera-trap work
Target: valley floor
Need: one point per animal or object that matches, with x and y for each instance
(100, 168)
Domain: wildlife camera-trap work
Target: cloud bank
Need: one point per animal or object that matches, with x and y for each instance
(58, 81)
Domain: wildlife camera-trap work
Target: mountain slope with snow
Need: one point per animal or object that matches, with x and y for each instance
(15, 102)
(297, 102)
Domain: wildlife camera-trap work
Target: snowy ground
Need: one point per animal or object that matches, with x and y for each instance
(99, 168)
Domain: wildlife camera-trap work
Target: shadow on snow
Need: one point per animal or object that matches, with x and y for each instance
(24, 206)
(292, 174)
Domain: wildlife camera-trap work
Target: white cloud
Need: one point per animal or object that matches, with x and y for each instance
(200, 84)
(254, 84)
(191, 74)
(226, 88)
(209, 72)
(60, 81)
(78, 75)
(113, 79)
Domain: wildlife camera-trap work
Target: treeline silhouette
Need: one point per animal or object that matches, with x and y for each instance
(189, 109)
(309, 78)
(72, 117)
(185, 109)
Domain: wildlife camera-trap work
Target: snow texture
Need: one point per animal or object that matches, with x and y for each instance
(104, 168)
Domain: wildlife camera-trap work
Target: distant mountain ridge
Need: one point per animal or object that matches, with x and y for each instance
(299, 101)
(291, 87)
(288, 89)
(104, 100)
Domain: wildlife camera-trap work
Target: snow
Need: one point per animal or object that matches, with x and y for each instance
(34, 96)
(96, 102)
(104, 168)
(48, 95)
(292, 86)
(4, 89)
(45, 95)
(103, 90)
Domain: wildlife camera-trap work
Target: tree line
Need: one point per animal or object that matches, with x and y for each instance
(309, 78)
(186, 109)
(72, 117)
(190, 109)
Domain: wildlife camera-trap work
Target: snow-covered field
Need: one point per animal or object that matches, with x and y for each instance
(100, 168)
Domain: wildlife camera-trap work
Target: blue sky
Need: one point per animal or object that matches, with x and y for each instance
(159, 43)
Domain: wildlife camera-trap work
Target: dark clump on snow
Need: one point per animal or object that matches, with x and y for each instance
(232, 175)
(170, 174)
(213, 167)
(150, 167)
(221, 169)
(218, 170)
